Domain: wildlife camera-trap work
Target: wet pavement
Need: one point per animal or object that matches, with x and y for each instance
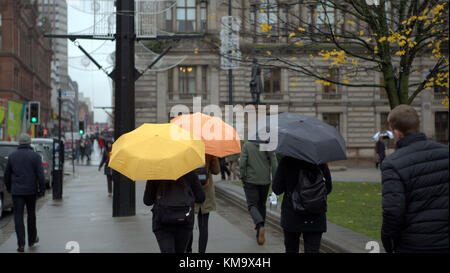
(83, 221)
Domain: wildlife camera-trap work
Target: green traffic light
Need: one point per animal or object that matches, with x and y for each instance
(81, 132)
(33, 119)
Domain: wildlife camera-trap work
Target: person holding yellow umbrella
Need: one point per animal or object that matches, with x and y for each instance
(220, 140)
(165, 155)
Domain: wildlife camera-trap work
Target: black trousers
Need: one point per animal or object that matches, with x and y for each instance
(19, 203)
(109, 180)
(203, 233)
(174, 240)
(256, 196)
(311, 241)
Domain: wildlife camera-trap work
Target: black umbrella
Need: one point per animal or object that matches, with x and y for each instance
(306, 138)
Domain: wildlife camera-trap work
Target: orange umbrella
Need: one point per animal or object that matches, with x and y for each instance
(220, 138)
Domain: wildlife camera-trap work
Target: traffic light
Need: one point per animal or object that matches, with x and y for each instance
(81, 127)
(34, 107)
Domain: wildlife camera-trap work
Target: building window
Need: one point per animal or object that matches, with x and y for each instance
(186, 81)
(168, 17)
(441, 126)
(325, 18)
(0, 42)
(0, 19)
(203, 16)
(332, 119)
(253, 16)
(330, 90)
(272, 79)
(270, 17)
(384, 124)
(186, 15)
(312, 18)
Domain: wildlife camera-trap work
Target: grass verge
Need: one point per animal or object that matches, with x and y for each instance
(354, 205)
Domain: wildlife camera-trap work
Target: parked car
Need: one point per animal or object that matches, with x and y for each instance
(47, 144)
(45, 164)
(5, 197)
(7, 147)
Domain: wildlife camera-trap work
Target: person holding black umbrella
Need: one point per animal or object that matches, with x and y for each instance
(295, 223)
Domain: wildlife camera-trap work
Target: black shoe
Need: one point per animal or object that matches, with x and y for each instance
(21, 249)
(35, 241)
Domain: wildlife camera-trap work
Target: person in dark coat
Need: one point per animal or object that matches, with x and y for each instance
(173, 238)
(415, 189)
(380, 149)
(107, 170)
(295, 224)
(24, 179)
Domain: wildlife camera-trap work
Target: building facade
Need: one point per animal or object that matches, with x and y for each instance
(25, 57)
(358, 113)
(54, 13)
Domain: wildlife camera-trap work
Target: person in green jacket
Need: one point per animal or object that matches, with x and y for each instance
(257, 169)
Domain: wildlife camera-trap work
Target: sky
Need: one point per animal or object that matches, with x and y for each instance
(92, 82)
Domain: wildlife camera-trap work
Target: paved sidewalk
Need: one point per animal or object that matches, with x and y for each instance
(85, 216)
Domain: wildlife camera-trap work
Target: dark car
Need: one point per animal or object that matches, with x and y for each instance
(7, 148)
(5, 197)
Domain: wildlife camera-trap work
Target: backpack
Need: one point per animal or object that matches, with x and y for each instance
(174, 203)
(310, 193)
(202, 175)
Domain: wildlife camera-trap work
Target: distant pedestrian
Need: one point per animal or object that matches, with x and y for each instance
(24, 179)
(202, 210)
(224, 169)
(233, 161)
(173, 210)
(415, 189)
(257, 169)
(380, 150)
(294, 222)
(107, 170)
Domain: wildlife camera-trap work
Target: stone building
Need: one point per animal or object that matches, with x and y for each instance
(25, 56)
(358, 113)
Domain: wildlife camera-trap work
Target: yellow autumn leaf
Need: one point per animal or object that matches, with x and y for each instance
(292, 34)
(301, 29)
(196, 51)
(382, 39)
(213, 17)
(294, 58)
(361, 33)
(268, 52)
(299, 43)
(400, 53)
(261, 11)
(294, 84)
(268, 36)
(351, 22)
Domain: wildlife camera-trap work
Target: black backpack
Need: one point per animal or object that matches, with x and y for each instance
(310, 193)
(202, 175)
(175, 203)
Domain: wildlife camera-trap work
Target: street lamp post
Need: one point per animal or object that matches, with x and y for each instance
(124, 196)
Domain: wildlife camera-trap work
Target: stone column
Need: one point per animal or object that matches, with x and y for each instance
(214, 85)
(427, 122)
(176, 86)
(162, 87)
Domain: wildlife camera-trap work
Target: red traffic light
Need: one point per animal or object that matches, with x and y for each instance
(106, 127)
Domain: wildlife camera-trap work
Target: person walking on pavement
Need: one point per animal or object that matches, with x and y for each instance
(256, 169)
(294, 223)
(224, 168)
(107, 170)
(202, 210)
(415, 189)
(24, 179)
(380, 150)
(172, 229)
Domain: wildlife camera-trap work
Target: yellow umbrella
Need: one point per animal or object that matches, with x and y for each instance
(157, 152)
